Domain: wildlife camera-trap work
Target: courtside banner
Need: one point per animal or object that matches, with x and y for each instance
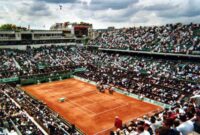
(5, 80)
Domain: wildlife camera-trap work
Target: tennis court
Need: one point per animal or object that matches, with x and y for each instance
(91, 111)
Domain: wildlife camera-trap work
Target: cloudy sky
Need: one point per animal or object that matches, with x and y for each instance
(41, 14)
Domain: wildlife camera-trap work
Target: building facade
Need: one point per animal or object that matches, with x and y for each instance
(36, 37)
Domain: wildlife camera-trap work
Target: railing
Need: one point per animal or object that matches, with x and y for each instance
(152, 53)
(48, 78)
(52, 37)
(15, 127)
(33, 79)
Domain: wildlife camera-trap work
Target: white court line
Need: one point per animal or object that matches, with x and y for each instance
(93, 102)
(84, 109)
(103, 130)
(83, 94)
(111, 109)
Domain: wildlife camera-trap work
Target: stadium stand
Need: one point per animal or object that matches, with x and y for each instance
(171, 38)
(7, 65)
(39, 111)
(164, 79)
(181, 119)
(13, 117)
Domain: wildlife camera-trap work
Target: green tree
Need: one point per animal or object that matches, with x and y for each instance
(8, 27)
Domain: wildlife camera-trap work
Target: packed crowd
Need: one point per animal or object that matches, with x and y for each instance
(38, 110)
(160, 79)
(36, 61)
(171, 38)
(164, 80)
(182, 119)
(13, 117)
(44, 60)
(7, 64)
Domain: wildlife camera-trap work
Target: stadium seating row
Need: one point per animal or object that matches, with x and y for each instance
(171, 38)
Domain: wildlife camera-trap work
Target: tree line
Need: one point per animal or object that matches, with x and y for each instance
(6, 27)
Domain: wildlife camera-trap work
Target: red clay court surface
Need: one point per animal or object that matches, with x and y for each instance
(91, 111)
